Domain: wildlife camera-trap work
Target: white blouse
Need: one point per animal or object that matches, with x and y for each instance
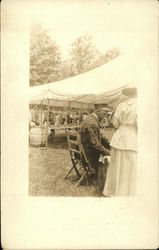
(125, 120)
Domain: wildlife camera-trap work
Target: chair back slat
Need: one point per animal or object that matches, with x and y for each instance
(78, 157)
(75, 145)
(74, 150)
(73, 142)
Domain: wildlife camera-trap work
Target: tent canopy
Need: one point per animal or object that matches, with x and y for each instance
(101, 85)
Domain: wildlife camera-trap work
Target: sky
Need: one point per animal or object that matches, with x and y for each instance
(111, 23)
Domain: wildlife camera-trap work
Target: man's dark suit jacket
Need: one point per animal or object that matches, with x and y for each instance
(91, 140)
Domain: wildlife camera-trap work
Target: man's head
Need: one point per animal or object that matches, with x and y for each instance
(101, 112)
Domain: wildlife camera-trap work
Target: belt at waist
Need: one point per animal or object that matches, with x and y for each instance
(129, 126)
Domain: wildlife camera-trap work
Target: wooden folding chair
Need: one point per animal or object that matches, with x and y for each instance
(78, 158)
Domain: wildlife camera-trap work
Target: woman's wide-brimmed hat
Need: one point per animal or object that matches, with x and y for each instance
(130, 91)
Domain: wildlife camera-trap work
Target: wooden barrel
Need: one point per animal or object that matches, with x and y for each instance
(37, 136)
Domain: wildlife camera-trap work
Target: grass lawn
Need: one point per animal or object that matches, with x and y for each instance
(47, 169)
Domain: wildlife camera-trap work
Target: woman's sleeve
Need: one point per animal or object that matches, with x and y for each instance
(115, 118)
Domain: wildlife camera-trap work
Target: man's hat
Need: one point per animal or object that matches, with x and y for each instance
(105, 109)
(103, 106)
(129, 91)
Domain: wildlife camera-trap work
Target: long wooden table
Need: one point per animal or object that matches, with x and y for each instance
(63, 128)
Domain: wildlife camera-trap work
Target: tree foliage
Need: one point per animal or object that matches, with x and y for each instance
(45, 57)
(106, 57)
(46, 64)
(83, 54)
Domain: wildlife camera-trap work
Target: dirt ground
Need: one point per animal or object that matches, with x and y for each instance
(47, 169)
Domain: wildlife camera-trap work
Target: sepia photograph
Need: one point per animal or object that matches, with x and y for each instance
(79, 124)
(83, 106)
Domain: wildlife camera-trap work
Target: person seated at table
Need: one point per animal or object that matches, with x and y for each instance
(60, 119)
(31, 124)
(69, 117)
(57, 122)
(84, 116)
(51, 136)
(45, 122)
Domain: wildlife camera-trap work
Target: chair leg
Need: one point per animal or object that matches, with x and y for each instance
(68, 173)
(75, 168)
(81, 179)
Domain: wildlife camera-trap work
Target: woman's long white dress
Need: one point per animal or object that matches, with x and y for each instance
(121, 177)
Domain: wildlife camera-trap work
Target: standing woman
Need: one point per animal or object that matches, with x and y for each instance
(121, 177)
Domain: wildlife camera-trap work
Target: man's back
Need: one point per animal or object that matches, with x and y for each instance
(89, 135)
(91, 139)
(90, 121)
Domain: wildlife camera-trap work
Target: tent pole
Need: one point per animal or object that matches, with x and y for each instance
(69, 104)
(41, 115)
(41, 122)
(47, 128)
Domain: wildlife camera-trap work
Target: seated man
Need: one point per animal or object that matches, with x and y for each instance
(91, 139)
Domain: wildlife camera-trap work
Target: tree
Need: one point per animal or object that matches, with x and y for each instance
(110, 54)
(104, 58)
(45, 57)
(66, 69)
(82, 55)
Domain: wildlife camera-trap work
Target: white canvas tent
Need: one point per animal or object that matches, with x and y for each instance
(62, 100)
(104, 81)
(101, 85)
